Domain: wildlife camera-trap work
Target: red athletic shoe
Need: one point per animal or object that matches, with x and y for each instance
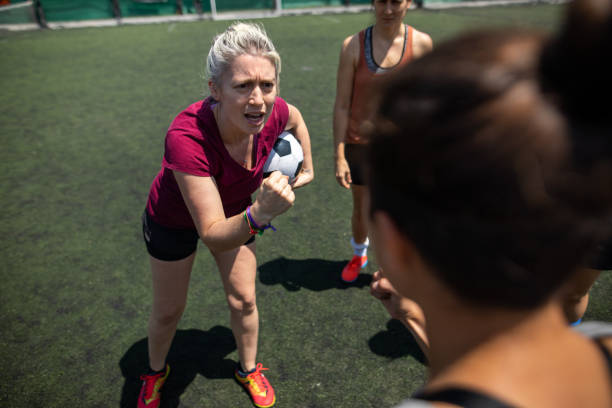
(258, 387)
(151, 384)
(351, 270)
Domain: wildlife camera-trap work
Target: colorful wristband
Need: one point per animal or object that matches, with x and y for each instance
(260, 230)
(246, 219)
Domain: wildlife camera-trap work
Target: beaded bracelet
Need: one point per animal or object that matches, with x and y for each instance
(253, 225)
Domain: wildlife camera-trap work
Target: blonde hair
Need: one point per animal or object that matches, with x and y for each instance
(238, 39)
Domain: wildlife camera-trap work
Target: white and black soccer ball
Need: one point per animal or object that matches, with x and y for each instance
(286, 156)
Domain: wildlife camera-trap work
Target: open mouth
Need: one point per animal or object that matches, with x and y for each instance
(254, 118)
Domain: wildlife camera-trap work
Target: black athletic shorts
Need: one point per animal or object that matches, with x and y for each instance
(356, 156)
(170, 244)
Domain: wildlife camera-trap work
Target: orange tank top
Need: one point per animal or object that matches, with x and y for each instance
(363, 82)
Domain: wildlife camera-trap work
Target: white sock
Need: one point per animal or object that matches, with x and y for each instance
(360, 249)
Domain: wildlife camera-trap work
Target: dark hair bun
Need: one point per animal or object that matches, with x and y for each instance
(576, 66)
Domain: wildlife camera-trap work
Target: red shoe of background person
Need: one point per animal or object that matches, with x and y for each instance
(351, 270)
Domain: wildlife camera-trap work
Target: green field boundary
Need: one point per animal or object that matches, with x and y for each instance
(59, 14)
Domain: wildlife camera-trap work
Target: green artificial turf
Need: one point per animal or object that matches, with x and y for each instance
(82, 124)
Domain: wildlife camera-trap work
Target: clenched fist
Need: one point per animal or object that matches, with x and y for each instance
(275, 197)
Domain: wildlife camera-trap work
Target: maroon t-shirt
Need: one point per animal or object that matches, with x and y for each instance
(194, 146)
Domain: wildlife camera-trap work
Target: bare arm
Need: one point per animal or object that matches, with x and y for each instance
(298, 127)
(218, 232)
(401, 308)
(342, 107)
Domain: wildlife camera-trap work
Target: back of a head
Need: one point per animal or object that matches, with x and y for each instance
(495, 186)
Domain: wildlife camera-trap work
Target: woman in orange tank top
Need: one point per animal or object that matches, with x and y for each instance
(364, 57)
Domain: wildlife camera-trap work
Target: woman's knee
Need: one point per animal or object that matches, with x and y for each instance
(242, 304)
(168, 315)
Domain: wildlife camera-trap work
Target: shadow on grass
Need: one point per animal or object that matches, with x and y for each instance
(313, 274)
(193, 352)
(395, 342)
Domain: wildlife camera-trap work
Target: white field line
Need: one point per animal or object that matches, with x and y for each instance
(14, 6)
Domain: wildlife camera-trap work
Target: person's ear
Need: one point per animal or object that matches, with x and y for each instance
(392, 243)
(396, 254)
(214, 92)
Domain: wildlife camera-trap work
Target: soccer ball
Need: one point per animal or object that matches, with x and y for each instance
(286, 156)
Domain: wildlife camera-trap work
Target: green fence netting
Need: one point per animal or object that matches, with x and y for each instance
(16, 12)
(152, 7)
(288, 4)
(232, 5)
(76, 10)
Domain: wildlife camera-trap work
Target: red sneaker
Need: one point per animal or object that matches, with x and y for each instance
(258, 387)
(351, 270)
(150, 396)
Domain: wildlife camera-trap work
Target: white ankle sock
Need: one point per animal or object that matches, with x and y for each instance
(360, 249)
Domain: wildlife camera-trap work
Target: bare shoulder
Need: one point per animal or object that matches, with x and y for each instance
(421, 43)
(295, 117)
(350, 48)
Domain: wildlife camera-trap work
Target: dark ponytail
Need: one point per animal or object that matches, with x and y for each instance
(576, 66)
(575, 73)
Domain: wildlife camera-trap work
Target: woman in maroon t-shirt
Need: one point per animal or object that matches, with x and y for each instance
(213, 161)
